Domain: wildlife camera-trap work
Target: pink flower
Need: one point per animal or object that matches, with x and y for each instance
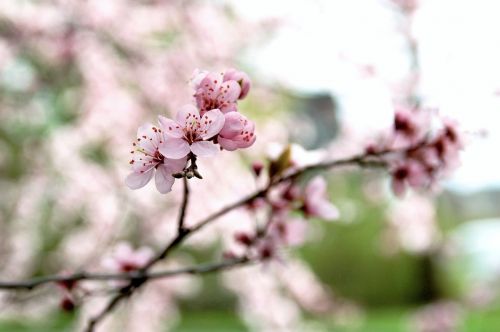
(410, 126)
(242, 79)
(125, 259)
(316, 203)
(288, 232)
(190, 132)
(148, 159)
(410, 173)
(237, 133)
(213, 92)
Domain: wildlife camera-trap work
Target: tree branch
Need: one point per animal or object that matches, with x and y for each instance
(138, 278)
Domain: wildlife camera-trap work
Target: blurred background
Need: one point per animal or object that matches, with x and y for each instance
(78, 77)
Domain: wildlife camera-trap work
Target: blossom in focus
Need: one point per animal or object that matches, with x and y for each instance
(213, 92)
(238, 132)
(190, 132)
(148, 160)
(316, 203)
(125, 259)
(242, 79)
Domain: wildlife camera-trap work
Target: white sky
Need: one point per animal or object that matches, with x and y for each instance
(323, 43)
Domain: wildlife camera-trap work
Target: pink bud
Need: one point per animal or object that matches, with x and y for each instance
(242, 79)
(67, 304)
(243, 238)
(257, 167)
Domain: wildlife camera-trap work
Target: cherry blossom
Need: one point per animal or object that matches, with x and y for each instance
(405, 174)
(242, 79)
(213, 92)
(238, 132)
(316, 203)
(148, 160)
(290, 232)
(190, 132)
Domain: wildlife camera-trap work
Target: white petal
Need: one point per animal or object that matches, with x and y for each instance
(170, 127)
(204, 148)
(174, 148)
(212, 123)
(138, 180)
(164, 179)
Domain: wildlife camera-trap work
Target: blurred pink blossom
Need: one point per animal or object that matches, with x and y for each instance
(316, 203)
(125, 259)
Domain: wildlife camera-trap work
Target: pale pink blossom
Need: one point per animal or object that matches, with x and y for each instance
(410, 126)
(125, 259)
(316, 203)
(215, 93)
(290, 232)
(410, 173)
(191, 132)
(242, 79)
(238, 132)
(148, 160)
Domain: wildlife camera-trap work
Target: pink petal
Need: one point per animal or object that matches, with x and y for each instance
(210, 85)
(230, 91)
(326, 210)
(138, 180)
(187, 112)
(398, 187)
(164, 179)
(204, 148)
(175, 165)
(233, 125)
(174, 148)
(148, 139)
(144, 165)
(227, 144)
(316, 188)
(212, 123)
(170, 127)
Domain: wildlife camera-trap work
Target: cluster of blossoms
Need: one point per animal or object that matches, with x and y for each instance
(285, 203)
(425, 146)
(200, 130)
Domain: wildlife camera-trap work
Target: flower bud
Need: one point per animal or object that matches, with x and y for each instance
(257, 167)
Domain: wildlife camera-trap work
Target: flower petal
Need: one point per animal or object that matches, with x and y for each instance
(148, 138)
(138, 180)
(204, 148)
(326, 210)
(211, 123)
(175, 165)
(164, 179)
(170, 127)
(229, 91)
(233, 124)
(174, 148)
(227, 144)
(186, 113)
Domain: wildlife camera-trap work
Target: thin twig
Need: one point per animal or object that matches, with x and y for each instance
(36, 282)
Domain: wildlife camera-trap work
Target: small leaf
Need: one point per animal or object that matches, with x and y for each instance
(279, 165)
